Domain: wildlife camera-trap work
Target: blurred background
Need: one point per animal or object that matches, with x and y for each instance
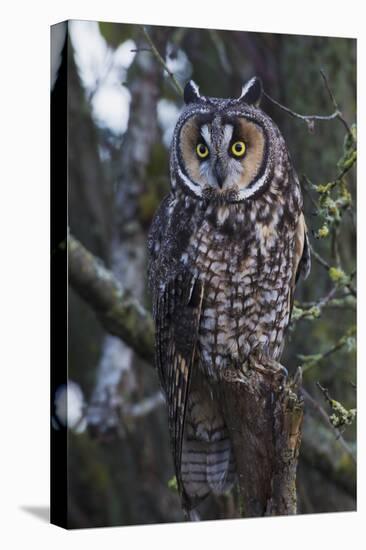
(122, 108)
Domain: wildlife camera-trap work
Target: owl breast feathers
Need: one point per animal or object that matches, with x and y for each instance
(226, 248)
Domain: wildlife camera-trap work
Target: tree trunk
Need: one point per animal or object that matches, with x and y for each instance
(117, 364)
(264, 421)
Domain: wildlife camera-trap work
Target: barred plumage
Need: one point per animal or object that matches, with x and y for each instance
(226, 248)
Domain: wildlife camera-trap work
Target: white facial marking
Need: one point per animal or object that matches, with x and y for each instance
(206, 134)
(228, 134)
(248, 192)
(192, 186)
(206, 173)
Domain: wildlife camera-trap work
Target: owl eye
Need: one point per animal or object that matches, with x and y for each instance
(238, 148)
(202, 150)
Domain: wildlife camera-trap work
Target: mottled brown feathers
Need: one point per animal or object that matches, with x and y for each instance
(177, 316)
(225, 255)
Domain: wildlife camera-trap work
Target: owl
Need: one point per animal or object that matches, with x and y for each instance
(226, 248)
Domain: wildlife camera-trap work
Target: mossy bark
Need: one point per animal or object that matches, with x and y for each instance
(119, 313)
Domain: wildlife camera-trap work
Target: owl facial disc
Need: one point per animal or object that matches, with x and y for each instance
(224, 148)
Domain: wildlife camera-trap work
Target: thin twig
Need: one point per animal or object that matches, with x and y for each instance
(154, 50)
(313, 360)
(309, 307)
(352, 290)
(327, 298)
(335, 104)
(327, 266)
(319, 258)
(346, 301)
(310, 119)
(307, 185)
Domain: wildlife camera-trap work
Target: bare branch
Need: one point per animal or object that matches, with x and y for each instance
(307, 186)
(347, 302)
(319, 258)
(328, 267)
(310, 361)
(144, 407)
(310, 119)
(337, 110)
(119, 313)
(154, 50)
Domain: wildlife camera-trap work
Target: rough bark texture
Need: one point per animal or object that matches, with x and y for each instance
(119, 313)
(265, 422)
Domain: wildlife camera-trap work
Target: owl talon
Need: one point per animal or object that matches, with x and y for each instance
(269, 367)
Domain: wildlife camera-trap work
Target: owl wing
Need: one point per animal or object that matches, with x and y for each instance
(302, 250)
(177, 315)
(177, 310)
(302, 260)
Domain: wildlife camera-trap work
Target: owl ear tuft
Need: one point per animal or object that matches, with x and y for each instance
(252, 91)
(191, 93)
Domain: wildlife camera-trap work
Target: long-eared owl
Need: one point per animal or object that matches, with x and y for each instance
(226, 248)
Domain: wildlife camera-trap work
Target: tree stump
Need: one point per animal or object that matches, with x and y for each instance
(264, 419)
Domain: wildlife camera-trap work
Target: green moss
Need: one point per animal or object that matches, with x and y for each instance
(323, 232)
(324, 188)
(309, 314)
(345, 197)
(341, 416)
(338, 276)
(330, 205)
(350, 152)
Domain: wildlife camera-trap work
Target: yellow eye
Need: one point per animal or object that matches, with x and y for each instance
(238, 148)
(202, 150)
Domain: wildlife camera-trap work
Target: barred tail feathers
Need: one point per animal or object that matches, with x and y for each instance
(207, 464)
(207, 467)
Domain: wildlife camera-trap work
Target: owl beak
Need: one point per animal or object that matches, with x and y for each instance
(219, 173)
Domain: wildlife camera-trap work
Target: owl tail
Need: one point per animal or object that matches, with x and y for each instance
(207, 465)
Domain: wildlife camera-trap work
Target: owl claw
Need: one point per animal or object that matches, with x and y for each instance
(269, 367)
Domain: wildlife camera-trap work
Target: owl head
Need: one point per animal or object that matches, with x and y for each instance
(224, 149)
